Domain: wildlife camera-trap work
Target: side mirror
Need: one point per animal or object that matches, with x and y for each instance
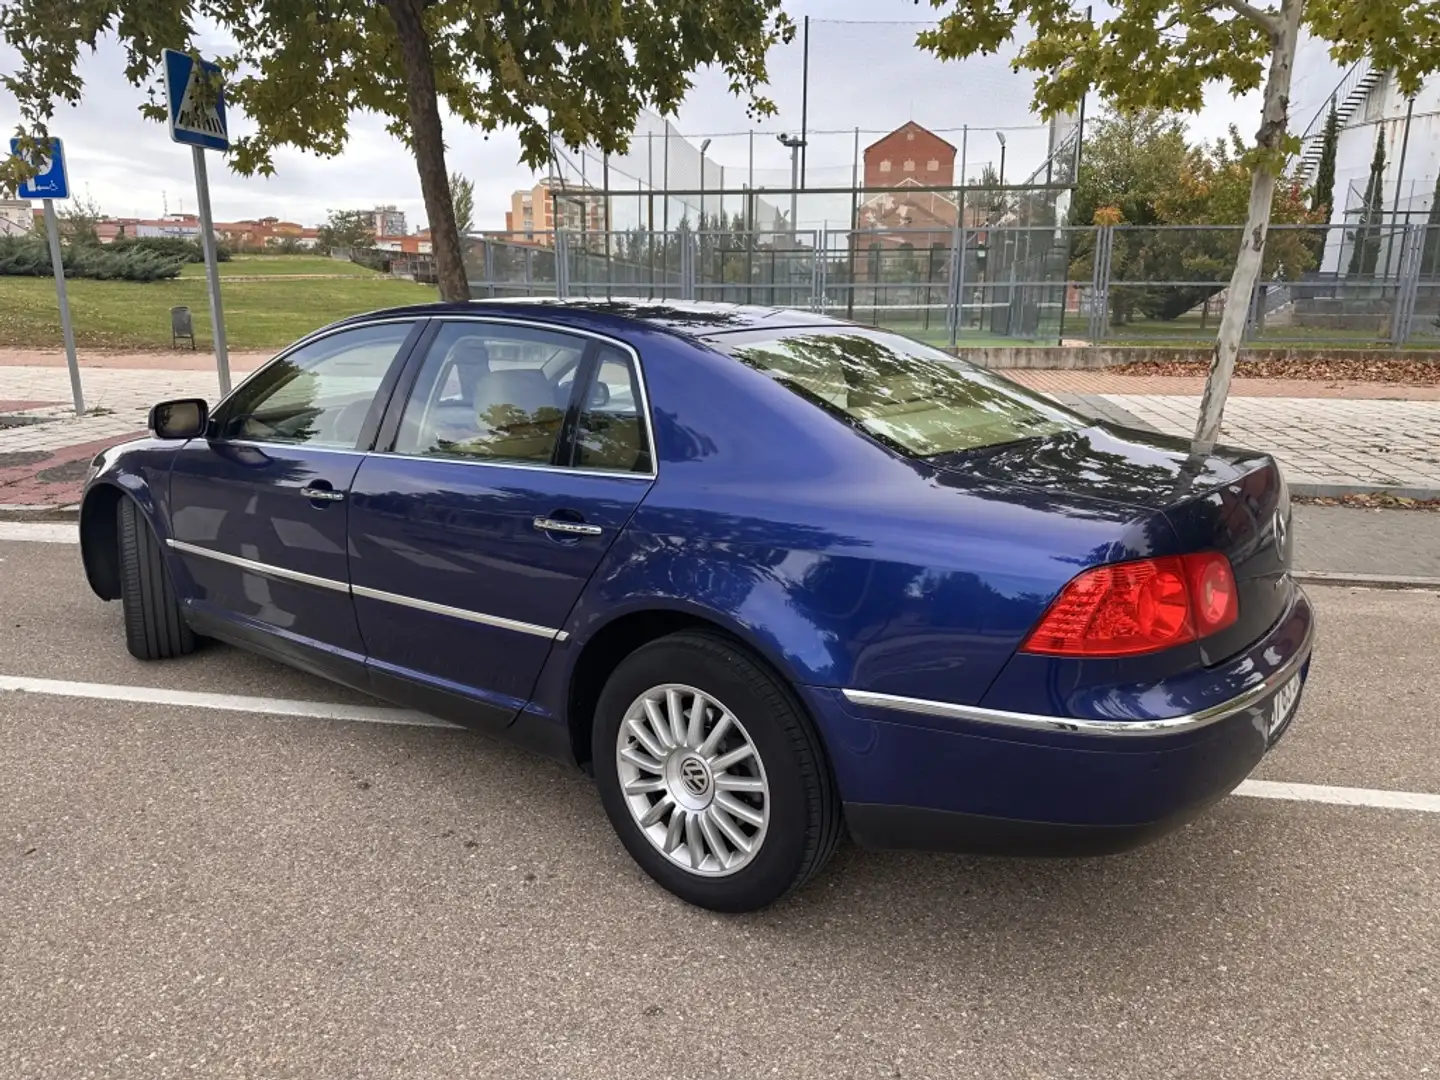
(186, 418)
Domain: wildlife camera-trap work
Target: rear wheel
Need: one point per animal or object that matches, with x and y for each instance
(712, 776)
(154, 626)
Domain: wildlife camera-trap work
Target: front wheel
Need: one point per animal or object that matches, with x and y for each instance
(155, 628)
(712, 776)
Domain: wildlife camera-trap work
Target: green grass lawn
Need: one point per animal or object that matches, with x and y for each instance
(281, 265)
(129, 315)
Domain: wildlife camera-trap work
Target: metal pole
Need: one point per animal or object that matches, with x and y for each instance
(665, 183)
(804, 98)
(854, 222)
(212, 271)
(52, 230)
(605, 181)
(794, 180)
(1399, 179)
(750, 207)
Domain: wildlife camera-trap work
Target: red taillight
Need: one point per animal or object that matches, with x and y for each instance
(1139, 607)
(1212, 592)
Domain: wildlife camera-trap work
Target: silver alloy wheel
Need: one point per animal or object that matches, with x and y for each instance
(693, 780)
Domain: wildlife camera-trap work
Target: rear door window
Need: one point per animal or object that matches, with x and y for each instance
(611, 432)
(491, 392)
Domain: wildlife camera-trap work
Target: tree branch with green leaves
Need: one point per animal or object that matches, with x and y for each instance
(1162, 54)
(300, 69)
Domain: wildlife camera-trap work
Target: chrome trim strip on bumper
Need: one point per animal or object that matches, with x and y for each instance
(1166, 726)
(266, 570)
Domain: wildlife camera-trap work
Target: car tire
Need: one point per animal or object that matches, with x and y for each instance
(780, 797)
(155, 628)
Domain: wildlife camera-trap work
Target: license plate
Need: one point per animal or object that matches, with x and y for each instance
(1282, 705)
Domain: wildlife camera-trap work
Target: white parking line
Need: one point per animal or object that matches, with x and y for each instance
(41, 532)
(157, 695)
(1341, 796)
(378, 714)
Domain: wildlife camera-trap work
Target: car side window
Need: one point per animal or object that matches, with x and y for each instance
(491, 392)
(318, 395)
(611, 433)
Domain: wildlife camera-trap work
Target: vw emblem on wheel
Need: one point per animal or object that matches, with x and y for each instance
(694, 776)
(1279, 533)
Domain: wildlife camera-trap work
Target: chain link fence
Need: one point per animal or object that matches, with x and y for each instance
(1001, 273)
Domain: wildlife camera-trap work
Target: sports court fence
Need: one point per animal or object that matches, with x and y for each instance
(1003, 276)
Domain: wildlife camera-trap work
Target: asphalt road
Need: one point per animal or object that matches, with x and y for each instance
(201, 893)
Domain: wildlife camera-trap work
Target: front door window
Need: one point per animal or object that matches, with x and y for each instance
(320, 395)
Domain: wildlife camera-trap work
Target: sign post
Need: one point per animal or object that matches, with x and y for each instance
(197, 119)
(50, 183)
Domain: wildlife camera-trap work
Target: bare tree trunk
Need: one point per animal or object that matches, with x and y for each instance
(1283, 35)
(429, 146)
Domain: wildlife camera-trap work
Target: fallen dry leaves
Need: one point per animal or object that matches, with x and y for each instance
(1375, 501)
(1361, 368)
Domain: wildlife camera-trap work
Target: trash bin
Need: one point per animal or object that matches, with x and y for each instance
(181, 326)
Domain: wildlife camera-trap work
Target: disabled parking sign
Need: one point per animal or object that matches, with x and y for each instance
(51, 181)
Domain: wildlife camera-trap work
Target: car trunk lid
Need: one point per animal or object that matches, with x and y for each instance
(1232, 501)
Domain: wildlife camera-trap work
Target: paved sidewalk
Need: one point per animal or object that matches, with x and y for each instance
(1332, 438)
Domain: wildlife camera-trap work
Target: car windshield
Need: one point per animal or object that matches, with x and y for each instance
(912, 397)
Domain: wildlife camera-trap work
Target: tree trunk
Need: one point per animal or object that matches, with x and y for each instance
(429, 146)
(1252, 244)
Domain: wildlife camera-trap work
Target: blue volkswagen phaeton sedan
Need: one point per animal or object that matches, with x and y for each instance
(763, 573)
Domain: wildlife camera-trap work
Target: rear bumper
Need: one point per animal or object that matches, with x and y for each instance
(939, 777)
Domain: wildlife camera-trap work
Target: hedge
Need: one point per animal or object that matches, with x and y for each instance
(29, 256)
(173, 247)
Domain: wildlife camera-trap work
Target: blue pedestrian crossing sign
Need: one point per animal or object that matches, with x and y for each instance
(51, 182)
(197, 110)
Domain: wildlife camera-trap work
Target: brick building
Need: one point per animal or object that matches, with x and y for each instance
(906, 160)
(910, 152)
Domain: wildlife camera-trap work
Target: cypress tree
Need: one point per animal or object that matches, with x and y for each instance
(1366, 252)
(1323, 193)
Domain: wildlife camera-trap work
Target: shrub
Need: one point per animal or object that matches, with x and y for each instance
(173, 247)
(29, 256)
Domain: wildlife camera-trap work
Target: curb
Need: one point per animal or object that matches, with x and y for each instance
(1307, 490)
(39, 512)
(1368, 581)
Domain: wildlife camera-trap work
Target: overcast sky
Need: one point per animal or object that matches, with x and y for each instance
(867, 75)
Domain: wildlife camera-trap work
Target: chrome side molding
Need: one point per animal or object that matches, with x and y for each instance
(282, 574)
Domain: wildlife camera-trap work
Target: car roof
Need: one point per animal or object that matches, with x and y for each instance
(686, 317)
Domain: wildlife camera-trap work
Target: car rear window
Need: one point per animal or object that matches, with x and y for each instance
(910, 396)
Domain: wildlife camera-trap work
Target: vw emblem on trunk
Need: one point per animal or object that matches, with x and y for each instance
(1279, 533)
(694, 776)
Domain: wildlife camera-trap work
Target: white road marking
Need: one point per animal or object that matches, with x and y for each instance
(41, 532)
(157, 695)
(1341, 796)
(379, 714)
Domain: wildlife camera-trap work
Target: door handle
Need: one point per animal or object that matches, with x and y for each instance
(325, 494)
(574, 528)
